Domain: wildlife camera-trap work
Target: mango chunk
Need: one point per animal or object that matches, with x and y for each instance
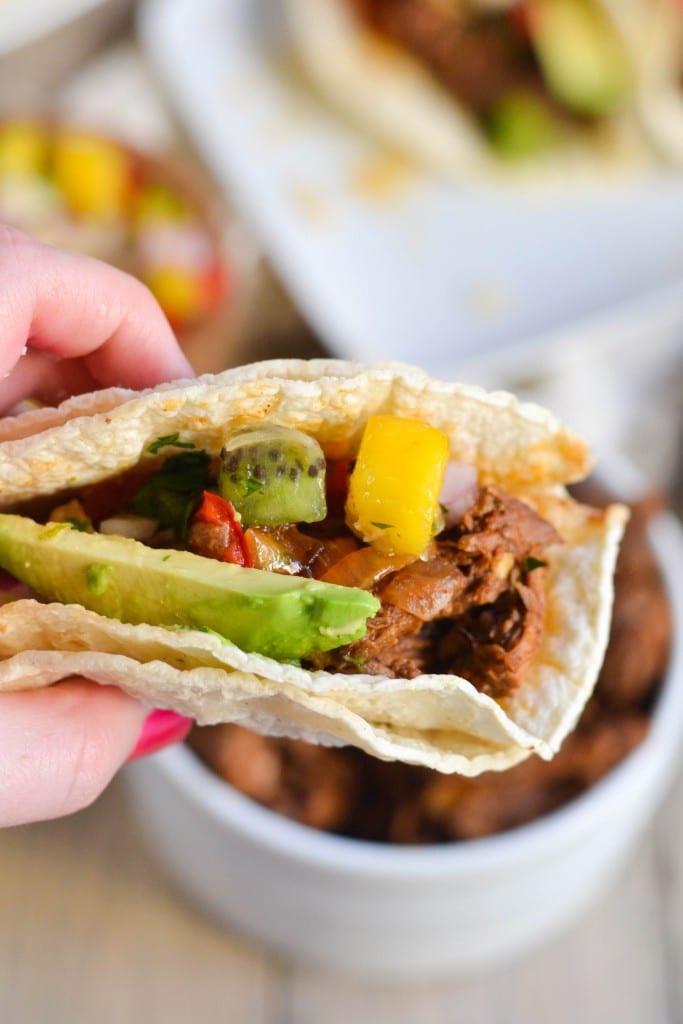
(393, 500)
(93, 174)
(178, 292)
(23, 149)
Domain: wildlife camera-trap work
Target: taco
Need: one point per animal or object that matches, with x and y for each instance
(660, 98)
(472, 86)
(373, 557)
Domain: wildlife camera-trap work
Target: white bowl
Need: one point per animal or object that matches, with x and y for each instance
(410, 911)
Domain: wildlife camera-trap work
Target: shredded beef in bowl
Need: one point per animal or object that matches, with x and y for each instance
(347, 792)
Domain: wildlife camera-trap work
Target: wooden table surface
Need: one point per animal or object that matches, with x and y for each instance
(91, 931)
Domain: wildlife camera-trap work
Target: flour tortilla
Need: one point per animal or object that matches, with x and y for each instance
(660, 98)
(389, 94)
(439, 721)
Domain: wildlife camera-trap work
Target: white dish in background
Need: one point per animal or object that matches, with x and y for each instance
(386, 262)
(404, 911)
(615, 377)
(25, 21)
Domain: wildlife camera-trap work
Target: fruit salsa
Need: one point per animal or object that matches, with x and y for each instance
(83, 191)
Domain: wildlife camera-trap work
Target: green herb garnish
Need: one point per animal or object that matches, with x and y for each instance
(51, 530)
(383, 526)
(82, 525)
(169, 440)
(171, 495)
(532, 563)
(251, 484)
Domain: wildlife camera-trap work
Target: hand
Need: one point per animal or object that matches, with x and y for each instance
(69, 324)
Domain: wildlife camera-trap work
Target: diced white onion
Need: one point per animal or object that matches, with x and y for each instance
(133, 527)
(459, 490)
(185, 246)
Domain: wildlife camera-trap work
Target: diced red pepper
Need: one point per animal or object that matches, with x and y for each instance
(216, 283)
(216, 511)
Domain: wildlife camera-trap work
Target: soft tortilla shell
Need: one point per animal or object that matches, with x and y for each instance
(439, 721)
(660, 99)
(92, 437)
(388, 93)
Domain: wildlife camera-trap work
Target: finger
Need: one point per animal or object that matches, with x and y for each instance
(161, 728)
(74, 306)
(59, 747)
(41, 376)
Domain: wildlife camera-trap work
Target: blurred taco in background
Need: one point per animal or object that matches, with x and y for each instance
(330, 551)
(660, 96)
(471, 86)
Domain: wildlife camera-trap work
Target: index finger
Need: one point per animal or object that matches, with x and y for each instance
(73, 306)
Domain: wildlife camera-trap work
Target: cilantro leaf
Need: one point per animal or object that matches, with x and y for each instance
(251, 484)
(532, 563)
(169, 440)
(82, 525)
(171, 495)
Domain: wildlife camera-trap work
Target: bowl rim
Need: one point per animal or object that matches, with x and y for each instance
(649, 765)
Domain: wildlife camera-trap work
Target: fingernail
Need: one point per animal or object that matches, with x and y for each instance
(160, 729)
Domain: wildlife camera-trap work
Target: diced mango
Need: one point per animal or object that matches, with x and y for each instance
(93, 174)
(393, 500)
(179, 293)
(23, 149)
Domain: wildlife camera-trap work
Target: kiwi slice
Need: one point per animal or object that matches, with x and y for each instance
(273, 475)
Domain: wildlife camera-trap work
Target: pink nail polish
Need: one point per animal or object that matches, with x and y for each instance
(160, 729)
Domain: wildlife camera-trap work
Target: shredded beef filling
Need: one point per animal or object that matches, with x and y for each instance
(474, 608)
(480, 57)
(348, 791)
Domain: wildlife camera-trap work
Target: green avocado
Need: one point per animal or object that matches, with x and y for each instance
(521, 126)
(584, 61)
(283, 617)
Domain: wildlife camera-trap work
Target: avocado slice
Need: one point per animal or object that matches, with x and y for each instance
(582, 56)
(521, 126)
(283, 617)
